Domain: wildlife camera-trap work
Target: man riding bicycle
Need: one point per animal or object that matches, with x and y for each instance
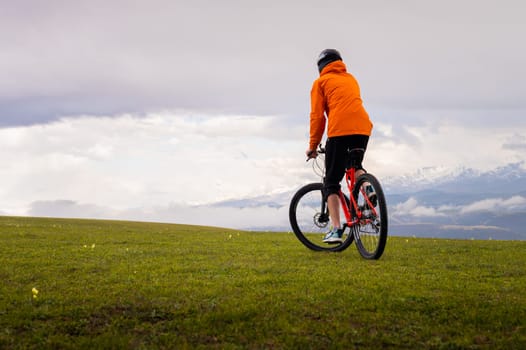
(335, 99)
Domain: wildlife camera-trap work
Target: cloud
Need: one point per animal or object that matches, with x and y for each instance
(443, 143)
(496, 204)
(140, 161)
(69, 209)
(411, 207)
(109, 58)
(186, 157)
(206, 215)
(516, 142)
(107, 106)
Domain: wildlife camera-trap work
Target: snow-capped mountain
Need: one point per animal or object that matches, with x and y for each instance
(507, 179)
(437, 202)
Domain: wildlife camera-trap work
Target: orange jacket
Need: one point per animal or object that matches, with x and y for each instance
(336, 93)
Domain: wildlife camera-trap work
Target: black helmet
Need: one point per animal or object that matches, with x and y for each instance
(328, 56)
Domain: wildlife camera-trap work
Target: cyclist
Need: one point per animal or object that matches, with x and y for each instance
(335, 99)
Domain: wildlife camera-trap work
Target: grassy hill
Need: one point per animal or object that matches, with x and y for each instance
(109, 284)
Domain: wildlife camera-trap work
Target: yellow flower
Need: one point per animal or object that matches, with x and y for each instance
(93, 246)
(35, 292)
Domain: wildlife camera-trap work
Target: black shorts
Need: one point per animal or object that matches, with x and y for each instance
(338, 158)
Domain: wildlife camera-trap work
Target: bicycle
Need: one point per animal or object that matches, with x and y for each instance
(365, 219)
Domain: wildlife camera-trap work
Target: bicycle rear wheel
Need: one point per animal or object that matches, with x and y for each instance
(371, 232)
(309, 219)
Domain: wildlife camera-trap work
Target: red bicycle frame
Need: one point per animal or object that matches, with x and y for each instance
(350, 179)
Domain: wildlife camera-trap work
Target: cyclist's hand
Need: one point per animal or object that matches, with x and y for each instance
(311, 153)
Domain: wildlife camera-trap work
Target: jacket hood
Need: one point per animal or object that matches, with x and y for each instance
(334, 67)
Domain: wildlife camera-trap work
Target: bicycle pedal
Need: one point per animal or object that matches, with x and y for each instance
(334, 242)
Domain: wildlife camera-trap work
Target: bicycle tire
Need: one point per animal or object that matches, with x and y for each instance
(370, 233)
(309, 219)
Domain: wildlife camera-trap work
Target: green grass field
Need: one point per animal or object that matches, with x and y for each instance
(109, 284)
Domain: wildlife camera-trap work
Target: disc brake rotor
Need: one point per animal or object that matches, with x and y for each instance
(320, 220)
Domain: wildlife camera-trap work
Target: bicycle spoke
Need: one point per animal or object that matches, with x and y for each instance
(310, 221)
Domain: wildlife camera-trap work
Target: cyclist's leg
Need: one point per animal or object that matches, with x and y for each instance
(356, 153)
(334, 171)
(357, 147)
(333, 203)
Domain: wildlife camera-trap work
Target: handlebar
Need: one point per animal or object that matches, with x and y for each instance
(320, 150)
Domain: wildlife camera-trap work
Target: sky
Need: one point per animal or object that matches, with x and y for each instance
(154, 110)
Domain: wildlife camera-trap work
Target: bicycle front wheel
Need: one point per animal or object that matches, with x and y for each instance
(371, 230)
(309, 219)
